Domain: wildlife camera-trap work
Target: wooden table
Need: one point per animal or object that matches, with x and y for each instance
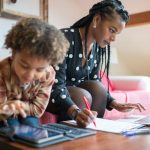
(100, 141)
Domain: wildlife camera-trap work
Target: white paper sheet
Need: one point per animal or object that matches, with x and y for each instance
(113, 126)
(141, 119)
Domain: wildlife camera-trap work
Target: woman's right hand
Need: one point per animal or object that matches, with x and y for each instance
(85, 117)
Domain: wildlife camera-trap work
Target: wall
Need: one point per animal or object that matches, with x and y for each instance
(132, 44)
(64, 13)
(5, 25)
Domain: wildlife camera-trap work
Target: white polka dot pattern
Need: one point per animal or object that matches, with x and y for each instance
(73, 79)
(56, 80)
(72, 30)
(53, 101)
(77, 68)
(63, 96)
(70, 56)
(91, 56)
(80, 55)
(95, 76)
(57, 67)
(72, 42)
(66, 30)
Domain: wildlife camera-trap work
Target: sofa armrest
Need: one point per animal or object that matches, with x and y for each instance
(130, 83)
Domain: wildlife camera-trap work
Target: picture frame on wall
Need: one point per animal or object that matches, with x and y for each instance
(16, 9)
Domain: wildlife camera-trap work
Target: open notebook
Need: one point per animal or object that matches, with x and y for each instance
(113, 126)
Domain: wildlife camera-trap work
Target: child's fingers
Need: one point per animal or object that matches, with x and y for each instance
(5, 107)
(22, 113)
(20, 106)
(6, 110)
(13, 108)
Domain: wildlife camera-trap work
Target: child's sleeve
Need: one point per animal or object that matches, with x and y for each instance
(3, 98)
(38, 105)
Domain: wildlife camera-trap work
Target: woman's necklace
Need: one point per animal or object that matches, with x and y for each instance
(85, 52)
(83, 46)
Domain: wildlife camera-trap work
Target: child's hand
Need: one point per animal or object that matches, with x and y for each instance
(49, 74)
(15, 107)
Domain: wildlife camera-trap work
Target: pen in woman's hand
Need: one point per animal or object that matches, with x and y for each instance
(87, 106)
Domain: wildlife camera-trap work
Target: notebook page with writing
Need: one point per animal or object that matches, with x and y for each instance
(113, 126)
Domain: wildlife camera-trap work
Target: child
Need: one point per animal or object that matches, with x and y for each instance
(26, 78)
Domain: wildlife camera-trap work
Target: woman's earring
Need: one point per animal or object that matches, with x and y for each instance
(94, 26)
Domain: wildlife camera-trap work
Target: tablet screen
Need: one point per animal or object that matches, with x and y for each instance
(36, 135)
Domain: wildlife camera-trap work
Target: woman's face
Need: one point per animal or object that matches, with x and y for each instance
(107, 30)
(28, 68)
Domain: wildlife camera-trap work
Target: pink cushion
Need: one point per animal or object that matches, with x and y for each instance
(142, 97)
(48, 118)
(121, 97)
(105, 81)
(138, 96)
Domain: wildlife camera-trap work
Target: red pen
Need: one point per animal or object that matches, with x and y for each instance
(87, 106)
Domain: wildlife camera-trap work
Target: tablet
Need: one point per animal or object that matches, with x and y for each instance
(34, 134)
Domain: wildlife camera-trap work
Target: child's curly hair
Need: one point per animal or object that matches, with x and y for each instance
(38, 38)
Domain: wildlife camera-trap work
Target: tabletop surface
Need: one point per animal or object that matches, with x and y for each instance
(100, 141)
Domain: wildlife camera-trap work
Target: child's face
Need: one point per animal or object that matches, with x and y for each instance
(29, 68)
(107, 30)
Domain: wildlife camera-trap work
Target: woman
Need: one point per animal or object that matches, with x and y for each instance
(89, 52)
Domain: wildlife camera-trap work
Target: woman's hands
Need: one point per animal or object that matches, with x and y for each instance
(126, 107)
(83, 117)
(15, 107)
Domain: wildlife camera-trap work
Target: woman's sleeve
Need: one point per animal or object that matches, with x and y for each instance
(94, 75)
(109, 100)
(60, 95)
(3, 98)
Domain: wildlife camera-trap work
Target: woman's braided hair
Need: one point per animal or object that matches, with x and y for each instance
(107, 9)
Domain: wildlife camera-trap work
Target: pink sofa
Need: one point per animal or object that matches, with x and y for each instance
(134, 89)
(131, 89)
(48, 118)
